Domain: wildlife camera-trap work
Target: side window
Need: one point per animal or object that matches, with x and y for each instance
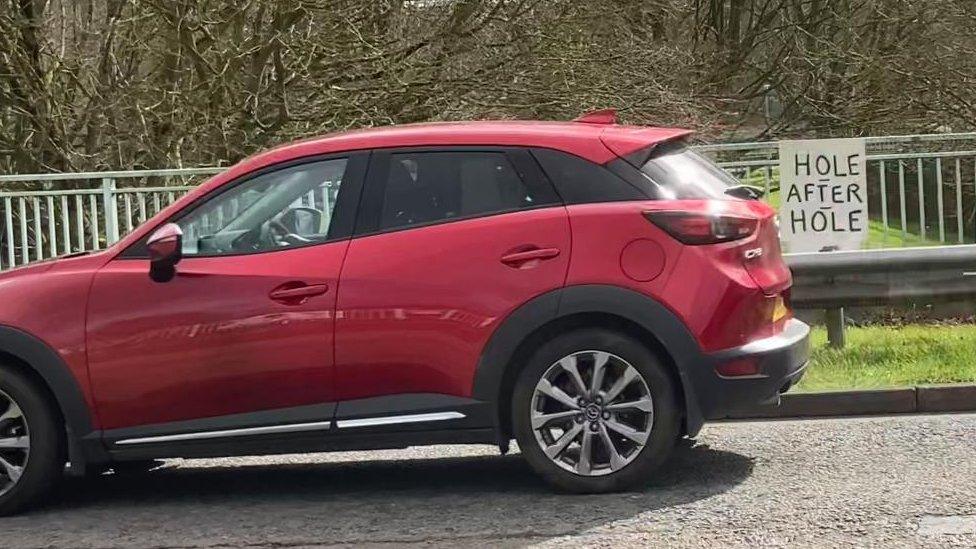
(580, 181)
(286, 208)
(426, 187)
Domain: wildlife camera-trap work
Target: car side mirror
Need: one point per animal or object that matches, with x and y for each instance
(165, 251)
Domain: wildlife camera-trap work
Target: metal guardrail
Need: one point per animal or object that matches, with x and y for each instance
(831, 281)
(883, 277)
(916, 197)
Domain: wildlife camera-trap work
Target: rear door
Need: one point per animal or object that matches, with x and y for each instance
(448, 243)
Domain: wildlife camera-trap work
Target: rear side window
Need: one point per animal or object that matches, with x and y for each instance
(429, 187)
(681, 173)
(580, 181)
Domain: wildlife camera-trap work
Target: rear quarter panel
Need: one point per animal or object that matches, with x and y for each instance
(707, 287)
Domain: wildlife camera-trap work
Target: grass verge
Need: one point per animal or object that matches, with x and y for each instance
(893, 356)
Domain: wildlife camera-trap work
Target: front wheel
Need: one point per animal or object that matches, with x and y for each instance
(595, 411)
(32, 455)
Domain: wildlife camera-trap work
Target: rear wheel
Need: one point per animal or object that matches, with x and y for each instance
(32, 453)
(594, 411)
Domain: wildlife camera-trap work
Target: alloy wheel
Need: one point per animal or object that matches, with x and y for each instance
(592, 413)
(14, 443)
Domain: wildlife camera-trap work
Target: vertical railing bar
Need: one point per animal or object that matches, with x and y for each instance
(93, 205)
(38, 234)
(80, 221)
(8, 218)
(959, 226)
(920, 177)
(766, 178)
(111, 209)
(128, 212)
(939, 195)
(884, 203)
(326, 214)
(24, 249)
(142, 207)
(51, 228)
(156, 207)
(65, 225)
(901, 201)
(329, 199)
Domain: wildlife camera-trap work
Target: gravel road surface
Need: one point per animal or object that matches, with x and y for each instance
(905, 481)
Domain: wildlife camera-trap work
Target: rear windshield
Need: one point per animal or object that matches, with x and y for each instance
(681, 173)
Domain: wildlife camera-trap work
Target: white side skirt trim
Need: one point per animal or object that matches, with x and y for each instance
(292, 428)
(392, 420)
(296, 427)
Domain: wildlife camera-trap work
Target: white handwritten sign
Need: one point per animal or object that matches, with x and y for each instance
(823, 195)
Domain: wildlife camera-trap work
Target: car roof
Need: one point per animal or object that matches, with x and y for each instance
(598, 143)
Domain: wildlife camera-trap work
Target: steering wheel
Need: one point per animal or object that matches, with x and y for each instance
(280, 235)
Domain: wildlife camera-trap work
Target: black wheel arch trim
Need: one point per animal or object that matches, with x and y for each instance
(646, 312)
(47, 364)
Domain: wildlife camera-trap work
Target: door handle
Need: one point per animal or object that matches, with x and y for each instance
(296, 295)
(517, 259)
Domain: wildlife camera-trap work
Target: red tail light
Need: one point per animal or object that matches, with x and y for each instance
(701, 228)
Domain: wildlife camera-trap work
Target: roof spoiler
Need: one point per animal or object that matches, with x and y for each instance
(602, 116)
(635, 144)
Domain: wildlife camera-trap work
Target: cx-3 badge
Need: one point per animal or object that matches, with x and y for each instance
(753, 253)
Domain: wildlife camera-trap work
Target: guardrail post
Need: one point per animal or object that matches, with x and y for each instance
(835, 327)
(111, 210)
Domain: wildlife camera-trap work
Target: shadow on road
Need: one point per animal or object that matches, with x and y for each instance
(421, 500)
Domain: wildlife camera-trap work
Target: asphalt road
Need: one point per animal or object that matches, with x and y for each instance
(907, 481)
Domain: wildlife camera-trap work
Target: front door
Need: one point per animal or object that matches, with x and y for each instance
(246, 325)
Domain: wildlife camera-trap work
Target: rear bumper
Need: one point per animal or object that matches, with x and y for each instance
(782, 360)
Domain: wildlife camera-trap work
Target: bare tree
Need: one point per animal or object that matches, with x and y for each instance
(91, 84)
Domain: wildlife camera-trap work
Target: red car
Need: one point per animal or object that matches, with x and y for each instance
(592, 290)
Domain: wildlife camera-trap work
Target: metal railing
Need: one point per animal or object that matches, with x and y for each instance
(917, 276)
(916, 197)
(883, 277)
(63, 213)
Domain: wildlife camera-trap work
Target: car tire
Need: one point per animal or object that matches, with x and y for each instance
(27, 411)
(641, 420)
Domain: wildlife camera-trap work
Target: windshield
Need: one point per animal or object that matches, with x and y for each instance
(681, 173)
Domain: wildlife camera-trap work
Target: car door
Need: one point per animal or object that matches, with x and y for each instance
(448, 243)
(246, 323)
